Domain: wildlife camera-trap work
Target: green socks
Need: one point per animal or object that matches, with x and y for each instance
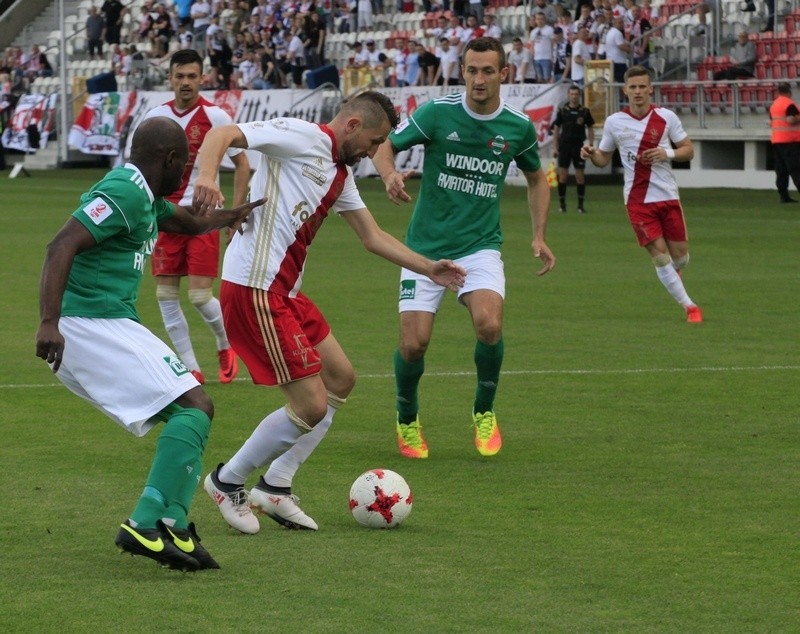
(407, 376)
(176, 470)
(488, 359)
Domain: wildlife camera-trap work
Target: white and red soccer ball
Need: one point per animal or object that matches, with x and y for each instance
(380, 498)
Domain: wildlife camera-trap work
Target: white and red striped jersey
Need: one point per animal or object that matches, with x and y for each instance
(196, 122)
(632, 136)
(300, 175)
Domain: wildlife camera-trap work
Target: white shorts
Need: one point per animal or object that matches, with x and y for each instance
(484, 272)
(121, 368)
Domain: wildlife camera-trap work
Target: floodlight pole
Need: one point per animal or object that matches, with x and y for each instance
(65, 96)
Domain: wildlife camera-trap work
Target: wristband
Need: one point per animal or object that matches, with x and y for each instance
(670, 153)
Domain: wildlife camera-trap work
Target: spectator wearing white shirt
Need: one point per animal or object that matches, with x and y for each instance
(617, 49)
(201, 19)
(490, 26)
(248, 71)
(520, 64)
(580, 55)
(449, 65)
(541, 39)
(598, 32)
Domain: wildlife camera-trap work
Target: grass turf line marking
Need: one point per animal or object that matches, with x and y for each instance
(731, 368)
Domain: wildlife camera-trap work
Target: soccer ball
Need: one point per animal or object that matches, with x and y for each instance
(380, 498)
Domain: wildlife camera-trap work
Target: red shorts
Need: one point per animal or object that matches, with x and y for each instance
(180, 254)
(276, 336)
(655, 220)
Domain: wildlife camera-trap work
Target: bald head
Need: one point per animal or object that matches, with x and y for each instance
(155, 138)
(160, 150)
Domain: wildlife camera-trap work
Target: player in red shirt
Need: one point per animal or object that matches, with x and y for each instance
(645, 134)
(196, 257)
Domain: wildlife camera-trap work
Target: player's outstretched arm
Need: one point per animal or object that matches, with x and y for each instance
(207, 194)
(376, 240)
(188, 221)
(394, 181)
(67, 243)
(539, 208)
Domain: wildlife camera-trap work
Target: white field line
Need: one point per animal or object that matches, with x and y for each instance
(578, 372)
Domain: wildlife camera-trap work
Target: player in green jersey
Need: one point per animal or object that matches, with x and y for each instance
(470, 139)
(91, 336)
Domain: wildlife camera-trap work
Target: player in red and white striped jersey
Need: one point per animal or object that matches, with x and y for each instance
(305, 173)
(644, 135)
(196, 257)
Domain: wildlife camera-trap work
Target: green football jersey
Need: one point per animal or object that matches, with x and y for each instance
(122, 215)
(466, 160)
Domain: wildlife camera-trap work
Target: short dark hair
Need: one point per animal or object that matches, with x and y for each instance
(483, 44)
(373, 106)
(185, 56)
(637, 71)
(784, 88)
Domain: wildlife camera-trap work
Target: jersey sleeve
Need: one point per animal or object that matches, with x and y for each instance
(675, 128)
(528, 159)
(608, 142)
(350, 198)
(416, 129)
(102, 211)
(219, 117)
(278, 138)
(164, 209)
(558, 120)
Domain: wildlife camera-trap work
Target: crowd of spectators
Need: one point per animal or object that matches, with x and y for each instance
(262, 44)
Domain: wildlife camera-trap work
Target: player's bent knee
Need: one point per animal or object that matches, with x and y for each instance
(166, 293)
(661, 259)
(413, 350)
(200, 296)
(681, 262)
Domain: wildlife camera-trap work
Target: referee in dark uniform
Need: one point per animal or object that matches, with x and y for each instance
(569, 135)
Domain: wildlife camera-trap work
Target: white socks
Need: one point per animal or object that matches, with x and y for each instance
(672, 282)
(282, 470)
(178, 331)
(210, 310)
(273, 436)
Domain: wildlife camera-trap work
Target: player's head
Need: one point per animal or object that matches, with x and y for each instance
(784, 88)
(638, 86)
(362, 125)
(160, 150)
(484, 69)
(185, 77)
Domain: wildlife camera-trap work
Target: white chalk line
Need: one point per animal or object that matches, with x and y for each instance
(574, 372)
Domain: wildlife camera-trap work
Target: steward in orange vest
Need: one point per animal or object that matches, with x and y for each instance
(784, 116)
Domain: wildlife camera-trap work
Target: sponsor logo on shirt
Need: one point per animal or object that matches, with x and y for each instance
(176, 365)
(453, 136)
(408, 289)
(473, 164)
(313, 173)
(401, 126)
(98, 210)
(280, 124)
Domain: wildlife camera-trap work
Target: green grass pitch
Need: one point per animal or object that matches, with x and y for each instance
(648, 481)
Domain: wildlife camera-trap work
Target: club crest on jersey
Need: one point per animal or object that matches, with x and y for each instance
(194, 133)
(98, 210)
(498, 145)
(176, 365)
(408, 289)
